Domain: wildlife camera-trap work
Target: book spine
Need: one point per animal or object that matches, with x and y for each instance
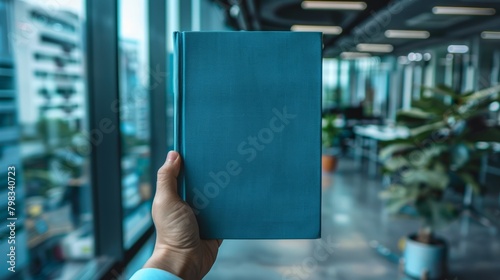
(319, 127)
(179, 105)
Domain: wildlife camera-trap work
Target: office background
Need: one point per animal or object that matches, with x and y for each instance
(86, 119)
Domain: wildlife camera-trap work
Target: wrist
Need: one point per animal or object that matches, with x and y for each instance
(173, 262)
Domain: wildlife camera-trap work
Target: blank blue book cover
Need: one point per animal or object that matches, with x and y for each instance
(248, 126)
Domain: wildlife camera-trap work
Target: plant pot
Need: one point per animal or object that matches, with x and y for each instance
(421, 258)
(329, 163)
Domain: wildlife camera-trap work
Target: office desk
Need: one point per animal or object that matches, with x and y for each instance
(367, 138)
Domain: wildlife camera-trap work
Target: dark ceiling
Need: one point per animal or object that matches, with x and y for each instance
(368, 25)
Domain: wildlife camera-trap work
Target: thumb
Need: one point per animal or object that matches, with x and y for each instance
(166, 185)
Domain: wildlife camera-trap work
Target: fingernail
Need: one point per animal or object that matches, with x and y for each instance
(172, 156)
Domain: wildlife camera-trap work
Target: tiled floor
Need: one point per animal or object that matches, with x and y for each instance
(353, 218)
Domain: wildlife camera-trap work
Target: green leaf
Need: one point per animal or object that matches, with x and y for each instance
(437, 178)
(425, 137)
(474, 108)
(390, 150)
(384, 144)
(443, 91)
(431, 105)
(329, 130)
(415, 114)
(468, 93)
(394, 164)
(397, 197)
(424, 157)
(428, 127)
(395, 205)
(488, 92)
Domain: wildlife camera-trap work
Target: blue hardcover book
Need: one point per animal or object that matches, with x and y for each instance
(248, 126)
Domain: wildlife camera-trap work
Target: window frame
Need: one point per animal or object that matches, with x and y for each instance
(103, 88)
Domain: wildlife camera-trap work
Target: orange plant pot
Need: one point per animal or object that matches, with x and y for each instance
(329, 163)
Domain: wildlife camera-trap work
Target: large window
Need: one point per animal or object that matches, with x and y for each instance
(55, 232)
(336, 79)
(77, 91)
(135, 129)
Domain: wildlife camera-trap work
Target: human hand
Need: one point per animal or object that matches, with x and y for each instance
(178, 249)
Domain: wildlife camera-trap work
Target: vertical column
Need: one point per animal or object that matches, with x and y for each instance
(158, 59)
(102, 72)
(338, 88)
(408, 86)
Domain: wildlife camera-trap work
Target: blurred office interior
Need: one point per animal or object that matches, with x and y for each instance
(86, 120)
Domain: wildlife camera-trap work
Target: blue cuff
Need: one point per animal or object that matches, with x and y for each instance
(153, 274)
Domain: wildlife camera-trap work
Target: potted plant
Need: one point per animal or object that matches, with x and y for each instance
(330, 131)
(447, 137)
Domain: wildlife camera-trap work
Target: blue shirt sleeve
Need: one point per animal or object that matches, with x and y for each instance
(153, 274)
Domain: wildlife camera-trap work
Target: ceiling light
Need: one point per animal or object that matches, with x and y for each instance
(407, 34)
(384, 48)
(331, 30)
(415, 56)
(473, 11)
(458, 48)
(491, 35)
(334, 5)
(234, 11)
(412, 56)
(352, 55)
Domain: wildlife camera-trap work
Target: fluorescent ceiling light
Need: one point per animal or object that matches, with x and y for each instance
(334, 5)
(383, 48)
(473, 11)
(458, 48)
(407, 34)
(331, 30)
(491, 35)
(352, 55)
